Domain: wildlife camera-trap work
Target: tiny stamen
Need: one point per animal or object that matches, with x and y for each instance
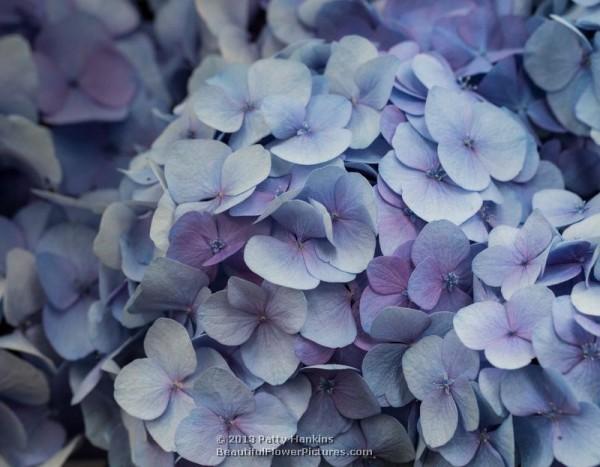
(217, 245)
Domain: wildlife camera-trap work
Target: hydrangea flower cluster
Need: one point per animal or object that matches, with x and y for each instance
(300, 232)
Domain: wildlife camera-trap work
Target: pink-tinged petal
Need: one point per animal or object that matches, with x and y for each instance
(391, 117)
(452, 300)
(108, 78)
(388, 274)
(425, 284)
(311, 353)
(78, 107)
(53, 88)
(527, 308)
(521, 276)
(534, 237)
(395, 226)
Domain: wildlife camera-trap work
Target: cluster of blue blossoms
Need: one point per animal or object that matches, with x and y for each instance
(235, 230)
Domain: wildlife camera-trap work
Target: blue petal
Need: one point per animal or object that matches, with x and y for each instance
(284, 115)
(67, 330)
(193, 169)
(273, 76)
(329, 321)
(552, 56)
(166, 338)
(222, 393)
(143, 389)
(278, 262)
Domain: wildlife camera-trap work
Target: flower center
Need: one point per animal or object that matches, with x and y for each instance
(437, 174)
(469, 143)
(217, 245)
(591, 351)
(177, 386)
(451, 281)
(304, 130)
(249, 107)
(445, 385)
(326, 385)
(228, 422)
(553, 413)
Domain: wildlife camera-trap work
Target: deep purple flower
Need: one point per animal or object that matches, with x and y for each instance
(388, 284)
(442, 276)
(204, 240)
(396, 223)
(340, 395)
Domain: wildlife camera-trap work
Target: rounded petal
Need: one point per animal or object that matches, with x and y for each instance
(67, 330)
(382, 370)
(166, 338)
(402, 325)
(108, 78)
(273, 76)
(163, 428)
(552, 56)
(329, 321)
(480, 324)
(314, 148)
(575, 438)
(244, 169)
(510, 352)
(216, 108)
(270, 424)
(352, 396)
(225, 323)
(278, 262)
(222, 393)
(269, 354)
(193, 170)
(198, 437)
(143, 389)
(439, 418)
(560, 207)
(422, 366)
(21, 381)
(586, 298)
